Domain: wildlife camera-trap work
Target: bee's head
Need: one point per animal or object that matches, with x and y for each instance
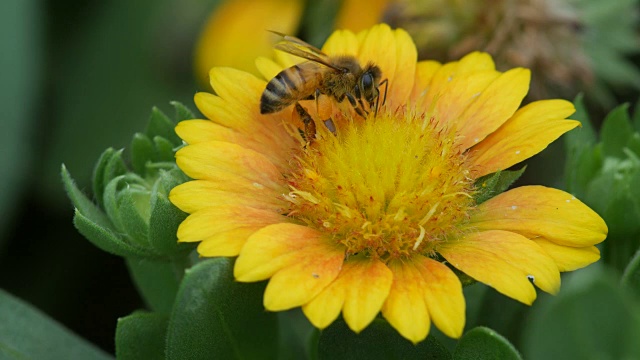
(369, 82)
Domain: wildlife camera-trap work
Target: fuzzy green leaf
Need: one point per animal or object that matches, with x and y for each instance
(590, 318)
(133, 209)
(482, 343)
(616, 131)
(156, 281)
(106, 239)
(493, 184)
(216, 317)
(82, 204)
(164, 149)
(160, 125)
(377, 341)
(141, 335)
(27, 333)
(142, 151)
(114, 167)
(182, 113)
(98, 174)
(631, 276)
(165, 217)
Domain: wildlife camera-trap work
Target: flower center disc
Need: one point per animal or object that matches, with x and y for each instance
(386, 187)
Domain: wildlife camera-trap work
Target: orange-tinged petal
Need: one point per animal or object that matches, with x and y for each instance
(538, 211)
(360, 289)
(570, 258)
(358, 15)
(199, 194)
(341, 42)
(374, 40)
(279, 246)
(404, 75)
(235, 34)
(505, 261)
(298, 259)
(528, 132)
(495, 105)
(210, 160)
(425, 70)
(219, 219)
(406, 308)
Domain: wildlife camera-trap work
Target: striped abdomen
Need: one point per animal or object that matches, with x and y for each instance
(290, 85)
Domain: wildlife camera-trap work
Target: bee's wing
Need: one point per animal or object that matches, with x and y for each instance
(299, 48)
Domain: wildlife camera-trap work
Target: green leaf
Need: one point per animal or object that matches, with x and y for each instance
(615, 132)
(581, 162)
(105, 239)
(114, 167)
(500, 313)
(156, 281)
(98, 174)
(182, 113)
(142, 151)
(141, 335)
(318, 20)
(27, 333)
(164, 149)
(216, 317)
(590, 318)
(635, 120)
(631, 276)
(133, 209)
(583, 170)
(161, 126)
(482, 343)
(82, 204)
(377, 341)
(585, 136)
(493, 184)
(165, 217)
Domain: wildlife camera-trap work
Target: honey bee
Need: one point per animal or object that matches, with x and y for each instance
(337, 77)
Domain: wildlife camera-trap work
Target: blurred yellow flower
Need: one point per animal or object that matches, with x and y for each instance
(372, 218)
(236, 33)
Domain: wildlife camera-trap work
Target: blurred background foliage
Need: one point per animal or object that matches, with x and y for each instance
(81, 76)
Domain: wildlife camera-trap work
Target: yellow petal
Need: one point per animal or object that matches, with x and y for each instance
(570, 258)
(361, 288)
(475, 62)
(406, 308)
(195, 131)
(219, 219)
(443, 295)
(538, 211)
(235, 34)
(215, 159)
(495, 105)
(505, 261)
(268, 68)
(232, 84)
(341, 42)
(228, 243)
(199, 194)
(528, 132)
(358, 15)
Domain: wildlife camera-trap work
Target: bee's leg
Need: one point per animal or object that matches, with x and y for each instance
(357, 105)
(384, 99)
(309, 124)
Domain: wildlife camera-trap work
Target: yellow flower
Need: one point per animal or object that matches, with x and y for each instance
(373, 218)
(236, 33)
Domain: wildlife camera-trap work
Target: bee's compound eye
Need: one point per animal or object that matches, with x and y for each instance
(367, 80)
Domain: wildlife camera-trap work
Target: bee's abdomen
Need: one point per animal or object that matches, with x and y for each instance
(282, 90)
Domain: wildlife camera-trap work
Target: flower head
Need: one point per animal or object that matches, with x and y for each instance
(372, 216)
